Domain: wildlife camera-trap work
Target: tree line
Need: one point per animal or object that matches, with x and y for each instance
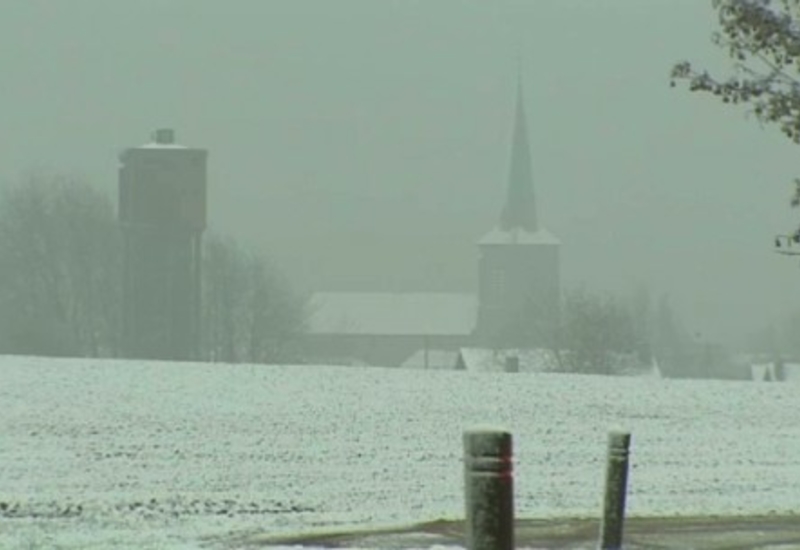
(61, 275)
(61, 294)
(605, 333)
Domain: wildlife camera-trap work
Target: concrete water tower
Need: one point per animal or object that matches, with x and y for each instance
(162, 211)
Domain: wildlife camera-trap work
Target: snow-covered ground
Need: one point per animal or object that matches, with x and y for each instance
(114, 454)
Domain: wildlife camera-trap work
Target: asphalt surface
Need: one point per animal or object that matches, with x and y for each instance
(717, 533)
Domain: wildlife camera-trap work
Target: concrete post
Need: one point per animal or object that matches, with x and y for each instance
(616, 488)
(489, 490)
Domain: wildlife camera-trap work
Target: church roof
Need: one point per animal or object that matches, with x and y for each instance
(393, 314)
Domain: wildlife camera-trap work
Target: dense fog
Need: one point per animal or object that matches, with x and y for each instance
(365, 145)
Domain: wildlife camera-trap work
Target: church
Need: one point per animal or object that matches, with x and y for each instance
(517, 304)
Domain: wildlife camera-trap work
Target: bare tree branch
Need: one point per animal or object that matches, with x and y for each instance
(766, 32)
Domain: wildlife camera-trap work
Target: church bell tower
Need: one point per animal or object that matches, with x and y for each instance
(519, 295)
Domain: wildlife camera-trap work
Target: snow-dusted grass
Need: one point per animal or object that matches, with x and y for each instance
(113, 454)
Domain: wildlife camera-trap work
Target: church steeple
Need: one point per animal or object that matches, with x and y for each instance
(519, 211)
(518, 271)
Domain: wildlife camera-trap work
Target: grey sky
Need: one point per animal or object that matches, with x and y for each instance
(365, 144)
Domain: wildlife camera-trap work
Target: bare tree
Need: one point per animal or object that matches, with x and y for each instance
(778, 338)
(224, 298)
(61, 274)
(597, 331)
(762, 38)
(278, 315)
(250, 312)
(60, 269)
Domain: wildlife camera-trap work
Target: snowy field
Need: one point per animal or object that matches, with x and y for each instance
(112, 454)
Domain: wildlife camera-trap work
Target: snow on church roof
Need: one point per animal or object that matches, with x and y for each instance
(519, 236)
(393, 314)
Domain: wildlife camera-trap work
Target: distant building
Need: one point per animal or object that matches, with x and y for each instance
(432, 359)
(519, 291)
(775, 371)
(387, 329)
(162, 212)
(541, 360)
(506, 360)
(518, 299)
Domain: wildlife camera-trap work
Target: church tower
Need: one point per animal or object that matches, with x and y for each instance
(519, 289)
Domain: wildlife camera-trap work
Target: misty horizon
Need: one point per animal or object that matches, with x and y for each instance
(365, 146)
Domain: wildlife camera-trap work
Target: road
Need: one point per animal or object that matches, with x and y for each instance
(709, 533)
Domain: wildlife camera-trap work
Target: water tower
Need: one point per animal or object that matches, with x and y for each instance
(162, 211)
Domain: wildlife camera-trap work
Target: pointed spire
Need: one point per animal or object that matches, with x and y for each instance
(519, 211)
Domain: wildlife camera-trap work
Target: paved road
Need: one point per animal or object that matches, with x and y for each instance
(725, 533)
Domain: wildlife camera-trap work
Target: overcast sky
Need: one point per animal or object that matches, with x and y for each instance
(365, 144)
